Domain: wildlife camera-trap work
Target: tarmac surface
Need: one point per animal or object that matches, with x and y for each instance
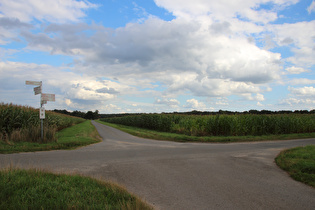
(171, 175)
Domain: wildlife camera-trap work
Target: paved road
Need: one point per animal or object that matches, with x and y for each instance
(173, 175)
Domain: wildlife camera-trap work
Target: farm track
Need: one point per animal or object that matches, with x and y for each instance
(172, 175)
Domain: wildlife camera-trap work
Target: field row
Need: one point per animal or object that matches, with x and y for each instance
(221, 125)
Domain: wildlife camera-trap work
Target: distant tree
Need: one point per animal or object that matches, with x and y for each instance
(253, 111)
(62, 111)
(77, 113)
(96, 115)
(89, 115)
(265, 112)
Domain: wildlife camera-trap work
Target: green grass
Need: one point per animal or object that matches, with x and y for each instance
(69, 138)
(35, 189)
(299, 162)
(152, 134)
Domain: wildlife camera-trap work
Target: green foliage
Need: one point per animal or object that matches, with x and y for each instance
(221, 124)
(22, 123)
(35, 189)
(300, 163)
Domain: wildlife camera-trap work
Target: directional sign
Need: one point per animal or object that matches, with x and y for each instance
(38, 90)
(33, 83)
(48, 97)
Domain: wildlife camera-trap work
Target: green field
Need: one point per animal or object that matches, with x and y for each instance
(20, 130)
(22, 124)
(159, 135)
(221, 124)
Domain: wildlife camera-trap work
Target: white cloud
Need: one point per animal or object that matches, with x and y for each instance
(174, 103)
(299, 37)
(301, 81)
(257, 97)
(195, 104)
(48, 10)
(224, 9)
(311, 8)
(300, 98)
(301, 103)
(296, 70)
(194, 59)
(303, 91)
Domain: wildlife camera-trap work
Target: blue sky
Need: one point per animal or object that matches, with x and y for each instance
(150, 56)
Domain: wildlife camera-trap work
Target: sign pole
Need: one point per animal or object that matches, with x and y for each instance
(41, 120)
(44, 97)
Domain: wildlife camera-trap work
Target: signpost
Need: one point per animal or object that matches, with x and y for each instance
(44, 97)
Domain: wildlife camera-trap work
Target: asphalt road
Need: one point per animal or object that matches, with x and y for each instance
(172, 175)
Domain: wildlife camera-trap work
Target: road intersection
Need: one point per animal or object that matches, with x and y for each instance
(172, 175)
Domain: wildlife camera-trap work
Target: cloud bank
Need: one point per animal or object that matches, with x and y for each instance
(212, 51)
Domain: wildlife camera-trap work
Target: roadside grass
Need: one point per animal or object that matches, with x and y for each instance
(72, 137)
(158, 135)
(37, 189)
(299, 162)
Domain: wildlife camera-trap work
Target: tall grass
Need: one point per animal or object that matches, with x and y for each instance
(22, 123)
(221, 124)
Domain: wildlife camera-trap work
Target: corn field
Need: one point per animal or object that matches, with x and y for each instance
(22, 123)
(221, 124)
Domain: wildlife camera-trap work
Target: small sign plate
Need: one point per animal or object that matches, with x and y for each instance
(42, 113)
(38, 90)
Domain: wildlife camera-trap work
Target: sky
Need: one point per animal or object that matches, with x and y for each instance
(153, 56)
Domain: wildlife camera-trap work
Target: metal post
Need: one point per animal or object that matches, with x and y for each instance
(42, 129)
(41, 120)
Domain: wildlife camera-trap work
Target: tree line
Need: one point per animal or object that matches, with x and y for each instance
(90, 115)
(195, 112)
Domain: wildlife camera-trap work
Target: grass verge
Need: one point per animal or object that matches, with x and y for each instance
(299, 162)
(69, 138)
(151, 134)
(36, 189)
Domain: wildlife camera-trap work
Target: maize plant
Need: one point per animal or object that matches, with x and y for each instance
(22, 123)
(221, 124)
